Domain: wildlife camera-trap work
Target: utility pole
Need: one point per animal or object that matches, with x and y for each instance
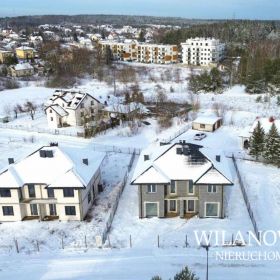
(206, 247)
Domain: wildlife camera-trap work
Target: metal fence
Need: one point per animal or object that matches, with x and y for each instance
(175, 135)
(245, 196)
(41, 130)
(109, 222)
(115, 149)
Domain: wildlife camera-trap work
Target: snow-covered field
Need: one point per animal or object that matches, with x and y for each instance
(144, 259)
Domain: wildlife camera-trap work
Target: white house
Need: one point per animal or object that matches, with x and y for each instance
(70, 108)
(51, 183)
(202, 51)
(207, 123)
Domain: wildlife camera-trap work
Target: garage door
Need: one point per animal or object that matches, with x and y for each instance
(151, 209)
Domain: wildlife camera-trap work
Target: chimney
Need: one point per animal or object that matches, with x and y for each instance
(218, 158)
(146, 157)
(85, 161)
(11, 160)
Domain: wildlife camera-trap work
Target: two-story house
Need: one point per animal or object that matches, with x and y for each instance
(71, 108)
(183, 180)
(51, 183)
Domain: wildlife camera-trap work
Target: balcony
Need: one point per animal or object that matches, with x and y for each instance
(37, 200)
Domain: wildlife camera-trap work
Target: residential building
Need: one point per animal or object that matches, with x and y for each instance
(156, 53)
(183, 180)
(71, 108)
(5, 55)
(202, 51)
(21, 70)
(51, 183)
(25, 53)
(124, 51)
(207, 123)
(131, 50)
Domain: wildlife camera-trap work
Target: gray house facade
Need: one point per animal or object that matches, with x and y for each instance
(180, 180)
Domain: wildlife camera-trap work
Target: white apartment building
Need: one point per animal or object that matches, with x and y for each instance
(71, 108)
(51, 183)
(131, 50)
(202, 51)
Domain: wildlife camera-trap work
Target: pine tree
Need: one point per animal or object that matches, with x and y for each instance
(257, 141)
(185, 274)
(272, 142)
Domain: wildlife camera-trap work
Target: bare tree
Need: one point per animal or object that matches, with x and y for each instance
(219, 109)
(30, 108)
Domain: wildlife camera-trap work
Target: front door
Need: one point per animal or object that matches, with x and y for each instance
(151, 209)
(52, 209)
(189, 206)
(34, 209)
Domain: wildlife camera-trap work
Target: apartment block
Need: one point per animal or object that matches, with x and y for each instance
(202, 51)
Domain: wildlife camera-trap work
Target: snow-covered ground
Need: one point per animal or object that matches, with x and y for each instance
(144, 259)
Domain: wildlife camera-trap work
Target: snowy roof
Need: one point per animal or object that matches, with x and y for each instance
(196, 164)
(207, 120)
(23, 66)
(125, 108)
(73, 98)
(24, 48)
(64, 169)
(59, 110)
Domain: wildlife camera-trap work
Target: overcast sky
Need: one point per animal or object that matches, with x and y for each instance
(214, 9)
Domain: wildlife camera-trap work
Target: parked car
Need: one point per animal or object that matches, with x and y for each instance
(199, 136)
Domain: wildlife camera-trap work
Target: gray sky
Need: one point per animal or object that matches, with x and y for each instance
(216, 9)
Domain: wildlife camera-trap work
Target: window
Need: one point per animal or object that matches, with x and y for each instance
(172, 205)
(31, 190)
(51, 119)
(82, 105)
(212, 188)
(70, 210)
(8, 210)
(202, 125)
(173, 187)
(50, 193)
(152, 188)
(34, 209)
(50, 110)
(211, 209)
(69, 192)
(91, 103)
(5, 193)
(82, 114)
(190, 188)
(52, 208)
(89, 197)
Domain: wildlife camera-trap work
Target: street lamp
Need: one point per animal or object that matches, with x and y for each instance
(206, 247)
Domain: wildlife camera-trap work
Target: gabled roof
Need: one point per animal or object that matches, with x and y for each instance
(72, 98)
(58, 109)
(207, 120)
(64, 169)
(166, 164)
(213, 176)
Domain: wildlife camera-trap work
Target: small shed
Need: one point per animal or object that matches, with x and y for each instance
(209, 124)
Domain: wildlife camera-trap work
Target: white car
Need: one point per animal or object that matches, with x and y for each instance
(199, 136)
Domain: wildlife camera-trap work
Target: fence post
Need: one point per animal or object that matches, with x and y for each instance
(187, 244)
(130, 241)
(38, 248)
(16, 244)
(62, 243)
(158, 241)
(109, 241)
(85, 241)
